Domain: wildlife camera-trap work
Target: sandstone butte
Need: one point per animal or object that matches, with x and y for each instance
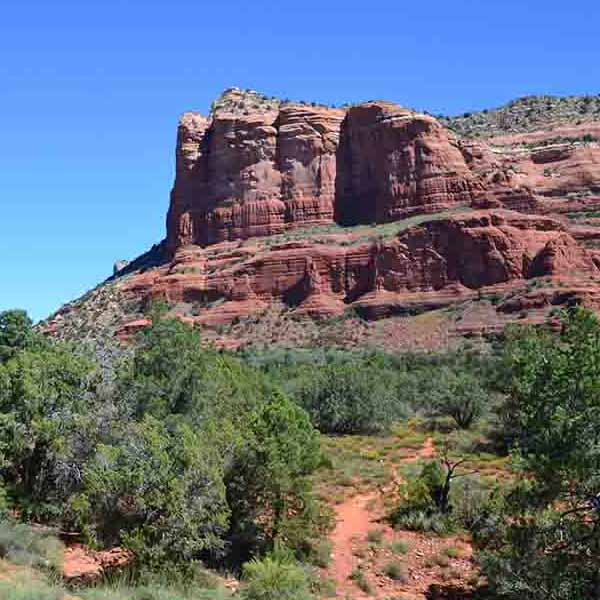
(370, 213)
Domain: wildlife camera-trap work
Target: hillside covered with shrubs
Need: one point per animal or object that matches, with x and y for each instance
(207, 465)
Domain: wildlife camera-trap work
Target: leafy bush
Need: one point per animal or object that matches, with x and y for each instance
(348, 398)
(418, 510)
(159, 490)
(399, 547)
(440, 498)
(473, 501)
(542, 542)
(43, 399)
(180, 453)
(421, 520)
(16, 333)
(375, 536)
(276, 577)
(451, 552)
(458, 395)
(359, 577)
(395, 570)
(441, 560)
(362, 392)
(319, 553)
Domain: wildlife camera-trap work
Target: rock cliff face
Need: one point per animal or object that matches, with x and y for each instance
(257, 170)
(554, 163)
(393, 163)
(448, 257)
(249, 173)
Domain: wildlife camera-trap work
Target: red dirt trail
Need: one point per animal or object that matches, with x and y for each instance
(353, 520)
(355, 517)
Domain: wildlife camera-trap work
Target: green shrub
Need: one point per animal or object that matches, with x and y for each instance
(360, 579)
(399, 547)
(173, 482)
(542, 543)
(396, 571)
(472, 501)
(441, 560)
(16, 333)
(320, 553)
(418, 510)
(451, 552)
(375, 536)
(276, 577)
(354, 392)
(179, 452)
(419, 520)
(348, 398)
(4, 502)
(459, 395)
(43, 400)
(325, 587)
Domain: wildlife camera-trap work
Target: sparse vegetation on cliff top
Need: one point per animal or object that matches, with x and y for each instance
(525, 114)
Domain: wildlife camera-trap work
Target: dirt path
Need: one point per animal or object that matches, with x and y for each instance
(355, 517)
(426, 451)
(353, 522)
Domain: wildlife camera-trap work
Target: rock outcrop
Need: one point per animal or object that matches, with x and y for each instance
(555, 163)
(439, 221)
(445, 258)
(503, 188)
(393, 163)
(249, 173)
(257, 169)
(82, 565)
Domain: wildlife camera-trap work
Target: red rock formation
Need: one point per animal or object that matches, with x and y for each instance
(253, 169)
(249, 173)
(256, 167)
(486, 248)
(502, 186)
(555, 162)
(128, 329)
(393, 162)
(560, 255)
(190, 186)
(82, 565)
(433, 264)
(308, 141)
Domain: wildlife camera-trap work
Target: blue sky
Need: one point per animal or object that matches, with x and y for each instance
(91, 92)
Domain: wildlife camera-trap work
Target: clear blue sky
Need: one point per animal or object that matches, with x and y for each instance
(91, 93)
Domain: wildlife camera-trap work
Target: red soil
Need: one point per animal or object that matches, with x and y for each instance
(362, 513)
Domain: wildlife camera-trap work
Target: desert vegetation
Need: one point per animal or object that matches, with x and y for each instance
(525, 114)
(208, 466)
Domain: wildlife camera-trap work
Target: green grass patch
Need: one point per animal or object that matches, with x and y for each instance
(399, 547)
(395, 570)
(375, 536)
